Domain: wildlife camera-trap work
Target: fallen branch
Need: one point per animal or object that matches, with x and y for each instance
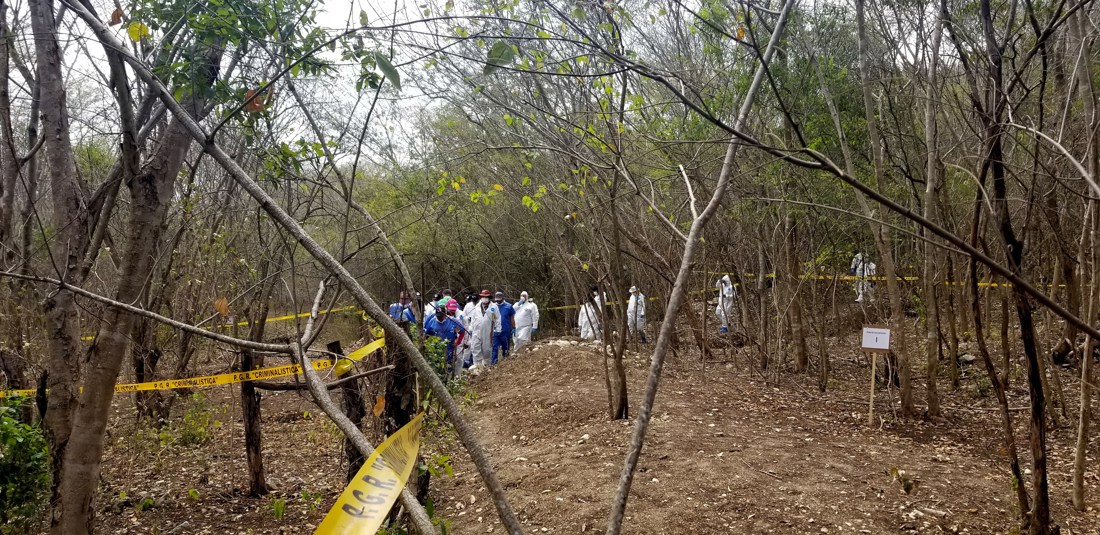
(765, 472)
(287, 385)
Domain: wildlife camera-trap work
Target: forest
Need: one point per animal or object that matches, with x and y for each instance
(207, 208)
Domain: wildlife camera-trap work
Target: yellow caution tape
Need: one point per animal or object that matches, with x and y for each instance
(366, 501)
(821, 277)
(227, 378)
(89, 338)
(291, 316)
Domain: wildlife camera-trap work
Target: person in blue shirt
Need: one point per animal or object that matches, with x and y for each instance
(448, 328)
(502, 341)
(401, 311)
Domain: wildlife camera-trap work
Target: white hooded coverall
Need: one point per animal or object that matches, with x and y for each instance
(527, 319)
(588, 319)
(635, 313)
(484, 322)
(727, 308)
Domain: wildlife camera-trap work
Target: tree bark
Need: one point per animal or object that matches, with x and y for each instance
(794, 305)
(151, 191)
(70, 219)
(881, 234)
(355, 409)
(1084, 416)
(251, 412)
(932, 254)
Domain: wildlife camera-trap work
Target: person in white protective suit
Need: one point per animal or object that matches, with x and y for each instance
(527, 320)
(727, 304)
(588, 319)
(484, 322)
(864, 270)
(635, 314)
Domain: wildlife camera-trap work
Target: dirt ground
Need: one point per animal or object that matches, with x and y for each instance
(727, 452)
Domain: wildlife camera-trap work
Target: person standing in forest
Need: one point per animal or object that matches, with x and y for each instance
(502, 341)
(588, 320)
(401, 311)
(864, 270)
(444, 325)
(527, 320)
(727, 307)
(635, 314)
(430, 308)
(484, 323)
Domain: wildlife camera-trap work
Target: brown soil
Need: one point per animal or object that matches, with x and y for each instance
(727, 452)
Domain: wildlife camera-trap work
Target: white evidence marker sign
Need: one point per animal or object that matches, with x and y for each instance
(876, 339)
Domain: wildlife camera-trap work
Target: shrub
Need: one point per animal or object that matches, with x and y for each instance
(24, 469)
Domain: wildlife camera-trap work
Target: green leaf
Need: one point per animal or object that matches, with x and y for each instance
(500, 54)
(387, 69)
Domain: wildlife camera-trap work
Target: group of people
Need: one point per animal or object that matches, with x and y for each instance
(589, 318)
(478, 333)
(487, 327)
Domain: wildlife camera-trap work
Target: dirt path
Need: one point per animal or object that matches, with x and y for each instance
(725, 455)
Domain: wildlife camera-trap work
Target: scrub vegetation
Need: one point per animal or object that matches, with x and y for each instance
(196, 187)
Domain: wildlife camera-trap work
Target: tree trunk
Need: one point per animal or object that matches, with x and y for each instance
(794, 306)
(355, 409)
(882, 235)
(932, 280)
(620, 409)
(151, 192)
(952, 323)
(251, 412)
(1085, 407)
(1007, 426)
(70, 218)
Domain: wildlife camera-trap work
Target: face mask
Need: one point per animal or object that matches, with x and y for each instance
(485, 300)
(522, 299)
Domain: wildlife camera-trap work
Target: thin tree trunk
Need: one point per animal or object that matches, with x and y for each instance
(251, 412)
(1084, 416)
(619, 409)
(1014, 250)
(794, 306)
(679, 291)
(1007, 427)
(932, 280)
(883, 240)
(952, 324)
(355, 409)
